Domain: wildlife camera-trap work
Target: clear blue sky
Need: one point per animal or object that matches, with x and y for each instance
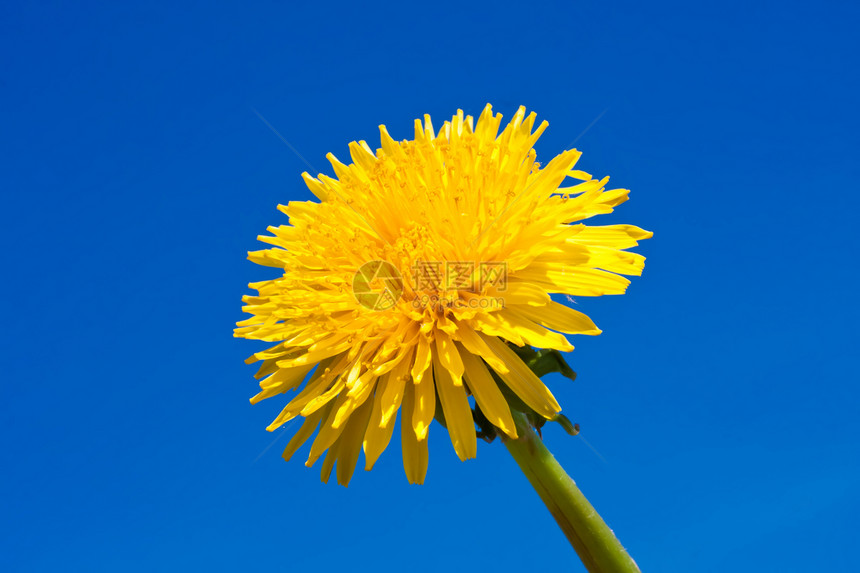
(721, 402)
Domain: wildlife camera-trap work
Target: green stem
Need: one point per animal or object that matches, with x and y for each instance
(594, 542)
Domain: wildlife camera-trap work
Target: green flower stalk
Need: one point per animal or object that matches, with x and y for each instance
(594, 542)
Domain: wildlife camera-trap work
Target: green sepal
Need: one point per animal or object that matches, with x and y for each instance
(569, 427)
(544, 361)
(541, 362)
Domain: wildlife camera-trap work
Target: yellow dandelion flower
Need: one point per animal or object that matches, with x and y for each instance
(413, 278)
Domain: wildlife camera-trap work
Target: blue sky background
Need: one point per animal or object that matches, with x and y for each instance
(720, 406)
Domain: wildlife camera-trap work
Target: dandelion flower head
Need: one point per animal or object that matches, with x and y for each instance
(407, 286)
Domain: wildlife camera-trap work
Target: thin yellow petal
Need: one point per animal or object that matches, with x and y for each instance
(308, 427)
(422, 359)
(356, 397)
(449, 357)
(328, 462)
(487, 395)
(523, 381)
(519, 329)
(393, 394)
(350, 446)
(577, 281)
(379, 430)
(476, 345)
(328, 434)
(524, 293)
(281, 381)
(425, 404)
(415, 453)
(458, 413)
(558, 317)
(617, 236)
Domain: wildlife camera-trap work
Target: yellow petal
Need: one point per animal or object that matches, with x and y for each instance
(458, 413)
(519, 329)
(524, 293)
(616, 261)
(308, 427)
(523, 381)
(577, 281)
(617, 236)
(489, 398)
(415, 454)
(476, 345)
(350, 443)
(558, 317)
(379, 430)
(328, 434)
(393, 394)
(422, 359)
(425, 404)
(356, 397)
(449, 357)
(281, 381)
